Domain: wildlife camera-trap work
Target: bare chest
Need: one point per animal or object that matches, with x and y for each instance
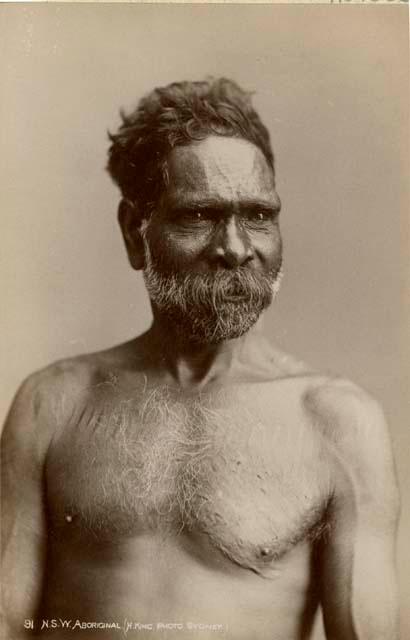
(249, 478)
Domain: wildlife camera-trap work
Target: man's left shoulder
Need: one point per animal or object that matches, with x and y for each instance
(353, 424)
(344, 409)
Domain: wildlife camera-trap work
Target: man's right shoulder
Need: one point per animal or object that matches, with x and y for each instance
(45, 397)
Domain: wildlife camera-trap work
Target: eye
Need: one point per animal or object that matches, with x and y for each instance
(191, 217)
(260, 216)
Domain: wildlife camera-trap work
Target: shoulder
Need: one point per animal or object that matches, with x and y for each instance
(354, 429)
(345, 413)
(341, 412)
(68, 376)
(51, 392)
(45, 395)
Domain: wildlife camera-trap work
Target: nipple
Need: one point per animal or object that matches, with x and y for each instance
(266, 552)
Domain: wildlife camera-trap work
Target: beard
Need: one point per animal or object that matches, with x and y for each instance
(210, 307)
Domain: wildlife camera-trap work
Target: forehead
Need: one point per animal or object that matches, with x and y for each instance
(217, 168)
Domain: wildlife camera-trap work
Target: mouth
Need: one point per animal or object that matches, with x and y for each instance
(235, 297)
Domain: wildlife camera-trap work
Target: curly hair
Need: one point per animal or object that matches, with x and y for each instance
(176, 115)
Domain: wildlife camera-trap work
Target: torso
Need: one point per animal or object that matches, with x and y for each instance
(169, 507)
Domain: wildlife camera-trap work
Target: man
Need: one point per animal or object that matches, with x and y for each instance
(197, 480)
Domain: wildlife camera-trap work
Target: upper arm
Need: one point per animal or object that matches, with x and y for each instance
(24, 444)
(357, 557)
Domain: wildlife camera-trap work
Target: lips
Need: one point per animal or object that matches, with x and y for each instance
(235, 297)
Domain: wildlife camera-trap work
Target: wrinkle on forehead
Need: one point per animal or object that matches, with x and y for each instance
(222, 168)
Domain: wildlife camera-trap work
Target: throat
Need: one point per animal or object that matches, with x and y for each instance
(200, 368)
(193, 366)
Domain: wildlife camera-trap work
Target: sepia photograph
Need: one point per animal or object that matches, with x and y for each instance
(205, 348)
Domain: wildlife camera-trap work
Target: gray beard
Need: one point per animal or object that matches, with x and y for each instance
(210, 307)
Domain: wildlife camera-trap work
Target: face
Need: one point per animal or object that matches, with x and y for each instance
(213, 249)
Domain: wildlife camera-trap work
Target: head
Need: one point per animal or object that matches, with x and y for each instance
(199, 208)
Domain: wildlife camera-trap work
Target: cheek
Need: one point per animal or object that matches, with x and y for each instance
(269, 249)
(176, 249)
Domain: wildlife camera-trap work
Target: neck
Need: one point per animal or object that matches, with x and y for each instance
(193, 364)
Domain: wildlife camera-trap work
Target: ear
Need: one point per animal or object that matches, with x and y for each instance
(130, 220)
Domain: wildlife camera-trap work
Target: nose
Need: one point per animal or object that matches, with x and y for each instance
(232, 247)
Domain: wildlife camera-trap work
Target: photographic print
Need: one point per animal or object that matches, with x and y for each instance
(205, 340)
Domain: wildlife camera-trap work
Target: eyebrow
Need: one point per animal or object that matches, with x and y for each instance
(218, 206)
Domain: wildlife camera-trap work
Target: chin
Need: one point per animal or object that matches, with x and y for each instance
(212, 331)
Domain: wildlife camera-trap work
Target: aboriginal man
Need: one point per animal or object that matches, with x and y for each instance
(196, 481)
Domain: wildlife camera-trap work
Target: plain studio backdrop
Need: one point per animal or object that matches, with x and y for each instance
(330, 82)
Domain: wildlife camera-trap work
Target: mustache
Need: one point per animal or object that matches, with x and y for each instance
(213, 289)
(217, 287)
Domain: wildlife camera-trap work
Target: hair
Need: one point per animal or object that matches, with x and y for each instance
(177, 115)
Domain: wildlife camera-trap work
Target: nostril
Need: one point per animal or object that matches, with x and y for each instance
(233, 259)
(222, 263)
